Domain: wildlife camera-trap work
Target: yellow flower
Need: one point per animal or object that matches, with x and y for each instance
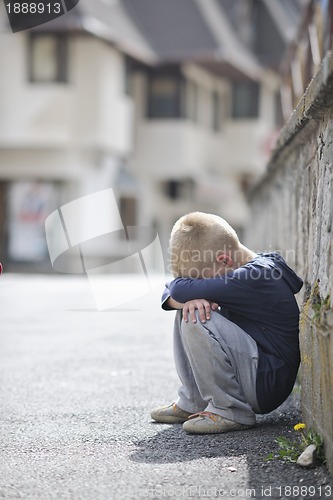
(299, 427)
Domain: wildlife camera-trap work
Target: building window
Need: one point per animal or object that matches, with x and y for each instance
(173, 189)
(166, 96)
(278, 114)
(48, 58)
(245, 99)
(180, 189)
(192, 101)
(128, 76)
(216, 112)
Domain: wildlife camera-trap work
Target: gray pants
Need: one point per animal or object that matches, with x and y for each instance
(217, 364)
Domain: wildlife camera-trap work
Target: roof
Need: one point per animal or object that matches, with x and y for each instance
(286, 16)
(175, 28)
(229, 48)
(106, 19)
(197, 30)
(266, 27)
(110, 21)
(232, 37)
(226, 36)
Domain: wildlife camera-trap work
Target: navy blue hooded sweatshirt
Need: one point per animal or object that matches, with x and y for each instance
(259, 298)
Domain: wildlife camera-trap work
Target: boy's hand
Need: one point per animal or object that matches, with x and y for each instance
(203, 307)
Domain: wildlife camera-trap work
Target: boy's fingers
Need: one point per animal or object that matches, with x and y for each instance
(206, 306)
(188, 312)
(193, 316)
(202, 306)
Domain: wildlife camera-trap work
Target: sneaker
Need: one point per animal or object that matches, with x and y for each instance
(209, 423)
(170, 414)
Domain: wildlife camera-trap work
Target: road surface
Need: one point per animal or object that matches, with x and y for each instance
(76, 389)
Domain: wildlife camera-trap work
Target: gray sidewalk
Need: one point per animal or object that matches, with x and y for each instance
(76, 389)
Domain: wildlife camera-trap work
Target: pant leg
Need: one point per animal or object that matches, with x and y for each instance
(189, 398)
(223, 361)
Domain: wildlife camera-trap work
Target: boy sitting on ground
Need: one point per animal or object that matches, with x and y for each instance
(236, 330)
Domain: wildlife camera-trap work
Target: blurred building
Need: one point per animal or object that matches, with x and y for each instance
(175, 105)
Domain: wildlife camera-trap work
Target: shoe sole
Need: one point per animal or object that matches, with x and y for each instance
(168, 419)
(216, 431)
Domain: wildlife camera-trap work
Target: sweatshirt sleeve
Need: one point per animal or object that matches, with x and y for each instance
(235, 291)
(165, 296)
(164, 301)
(184, 289)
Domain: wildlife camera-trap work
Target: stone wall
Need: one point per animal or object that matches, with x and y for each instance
(292, 210)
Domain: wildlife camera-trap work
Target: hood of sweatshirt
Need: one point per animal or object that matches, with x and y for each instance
(287, 274)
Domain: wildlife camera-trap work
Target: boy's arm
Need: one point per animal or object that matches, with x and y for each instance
(232, 291)
(203, 307)
(169, 303)
(189, 308)
(185, 289)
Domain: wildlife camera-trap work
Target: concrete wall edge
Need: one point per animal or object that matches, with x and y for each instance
(308, 111)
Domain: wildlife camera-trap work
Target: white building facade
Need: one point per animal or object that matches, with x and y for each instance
(87, 103)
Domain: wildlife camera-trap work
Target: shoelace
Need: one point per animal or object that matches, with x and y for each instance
(208, 414)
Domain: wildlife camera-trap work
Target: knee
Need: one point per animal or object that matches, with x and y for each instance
(190, 328)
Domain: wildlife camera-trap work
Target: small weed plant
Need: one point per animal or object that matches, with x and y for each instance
(290, 450)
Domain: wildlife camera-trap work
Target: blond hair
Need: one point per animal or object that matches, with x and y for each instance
(196, 240)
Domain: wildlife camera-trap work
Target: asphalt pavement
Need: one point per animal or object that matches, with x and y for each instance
(76, 389)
